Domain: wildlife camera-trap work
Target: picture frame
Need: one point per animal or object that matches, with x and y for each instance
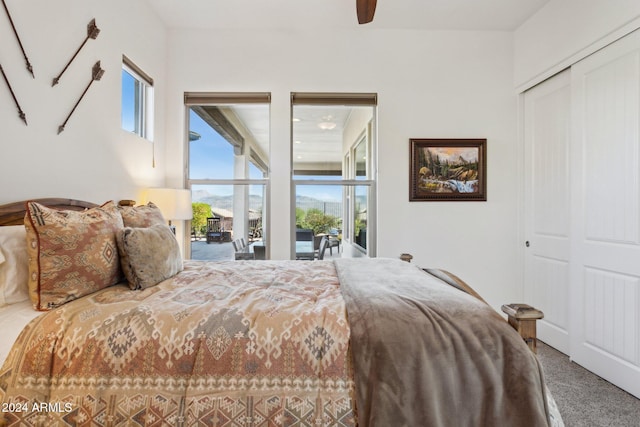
(448, 170)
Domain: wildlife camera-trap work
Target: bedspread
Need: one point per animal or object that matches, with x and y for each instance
(226, 343)
(427, 354)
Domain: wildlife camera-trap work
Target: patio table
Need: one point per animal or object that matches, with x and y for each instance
(304, 250)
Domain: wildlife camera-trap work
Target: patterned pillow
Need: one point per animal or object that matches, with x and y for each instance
(149, 255)
(71, 253)
(141, 216)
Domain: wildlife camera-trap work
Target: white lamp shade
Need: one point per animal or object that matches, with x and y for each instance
(175, 204)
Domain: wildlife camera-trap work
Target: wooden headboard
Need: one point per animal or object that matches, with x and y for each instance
(13, 213)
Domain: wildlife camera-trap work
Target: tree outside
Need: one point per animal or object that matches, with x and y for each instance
(201, 211)
(316, 220)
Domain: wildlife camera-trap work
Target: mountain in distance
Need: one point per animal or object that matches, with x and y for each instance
(198, 195)
(226, 202)
(255, 202)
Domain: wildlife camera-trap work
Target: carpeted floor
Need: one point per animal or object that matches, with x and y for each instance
(584, 399)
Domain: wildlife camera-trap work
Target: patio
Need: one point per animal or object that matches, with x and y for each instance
(200, 250)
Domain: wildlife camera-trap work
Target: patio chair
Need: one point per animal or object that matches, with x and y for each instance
(214, 231)
(242, 251)
(333, 242)
(304, 234)
(260, 252)
(324, 243)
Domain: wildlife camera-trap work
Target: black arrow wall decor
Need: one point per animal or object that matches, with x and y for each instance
(29, 67)
(92, 33)
(20, 112)
(96, 74)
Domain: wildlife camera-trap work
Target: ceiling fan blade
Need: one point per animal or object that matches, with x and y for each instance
(366, 9)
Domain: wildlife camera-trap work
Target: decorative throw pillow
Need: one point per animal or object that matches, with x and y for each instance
(141, 216)
(71, 253)
(14, 265)
(149, 255)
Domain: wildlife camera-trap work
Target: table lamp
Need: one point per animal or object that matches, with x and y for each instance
(175, 204)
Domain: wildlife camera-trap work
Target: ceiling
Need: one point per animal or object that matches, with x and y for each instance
(312, 144)
(310, 141)
(501, 15)
(319, 146)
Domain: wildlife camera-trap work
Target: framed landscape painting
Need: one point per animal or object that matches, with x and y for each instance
(448, 170)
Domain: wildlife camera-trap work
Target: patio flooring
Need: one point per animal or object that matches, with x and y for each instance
(200, 250)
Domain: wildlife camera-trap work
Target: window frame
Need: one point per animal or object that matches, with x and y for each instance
(362, 142)
(143, 102)
(192, 99)
(348, 181)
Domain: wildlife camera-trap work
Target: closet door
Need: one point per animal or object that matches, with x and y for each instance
(605, 249)
(547, 111)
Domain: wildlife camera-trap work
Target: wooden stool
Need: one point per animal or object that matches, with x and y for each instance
(523, 318)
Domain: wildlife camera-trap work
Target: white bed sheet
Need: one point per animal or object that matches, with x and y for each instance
(13, 318)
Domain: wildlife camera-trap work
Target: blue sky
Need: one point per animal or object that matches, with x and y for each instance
(128, 90)
(211, 157)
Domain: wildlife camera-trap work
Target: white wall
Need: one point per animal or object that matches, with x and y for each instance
(92, 159)
(430, 84)
(565, 31)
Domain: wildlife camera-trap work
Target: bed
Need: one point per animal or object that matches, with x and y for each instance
(124, 332)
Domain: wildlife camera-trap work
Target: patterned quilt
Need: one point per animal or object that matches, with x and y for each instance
(220, 344)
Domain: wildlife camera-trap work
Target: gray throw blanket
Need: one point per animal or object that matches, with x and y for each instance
(428, 354)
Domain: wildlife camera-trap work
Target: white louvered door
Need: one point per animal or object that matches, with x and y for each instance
(547, 125)
(605, 220)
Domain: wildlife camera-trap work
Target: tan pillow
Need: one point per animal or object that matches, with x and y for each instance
(149, 255)
(141, 216)
(71, 253)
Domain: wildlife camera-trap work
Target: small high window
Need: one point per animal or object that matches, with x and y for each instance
(137, 100)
